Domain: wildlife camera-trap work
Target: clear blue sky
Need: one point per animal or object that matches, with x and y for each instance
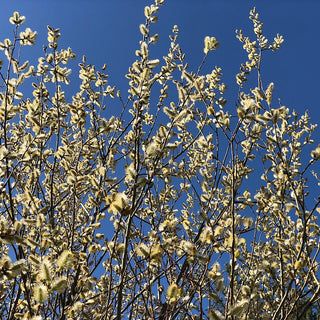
(106, 31)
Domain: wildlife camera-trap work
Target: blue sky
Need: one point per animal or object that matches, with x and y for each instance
(106, 31)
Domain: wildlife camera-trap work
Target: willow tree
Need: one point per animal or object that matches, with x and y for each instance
(173, 208)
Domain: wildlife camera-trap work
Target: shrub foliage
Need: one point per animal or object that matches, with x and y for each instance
(171, 208)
